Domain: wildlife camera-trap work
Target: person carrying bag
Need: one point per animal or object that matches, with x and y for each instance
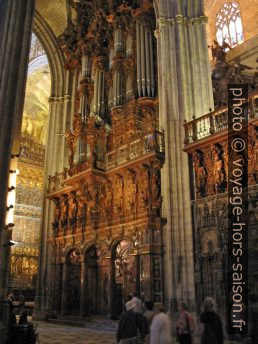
(185, 325)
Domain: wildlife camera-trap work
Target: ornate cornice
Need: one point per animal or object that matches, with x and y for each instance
(243, 48)
(180, 19)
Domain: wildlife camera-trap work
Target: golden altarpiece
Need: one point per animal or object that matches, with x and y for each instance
(107, 228)
(27, 213)
(30, 175)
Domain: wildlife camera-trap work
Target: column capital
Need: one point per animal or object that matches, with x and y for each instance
(59, 99)
(180, 19)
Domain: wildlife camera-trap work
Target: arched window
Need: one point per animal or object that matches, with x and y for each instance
(229, 24)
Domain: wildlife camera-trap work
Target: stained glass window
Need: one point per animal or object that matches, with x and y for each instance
(229, 24)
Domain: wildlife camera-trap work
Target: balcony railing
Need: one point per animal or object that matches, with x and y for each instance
(56, 182)
(215, 122)
(152, 142)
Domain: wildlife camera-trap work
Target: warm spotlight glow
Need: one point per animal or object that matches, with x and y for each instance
(9, 219)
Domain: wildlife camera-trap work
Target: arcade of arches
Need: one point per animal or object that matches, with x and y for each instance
(124, 172)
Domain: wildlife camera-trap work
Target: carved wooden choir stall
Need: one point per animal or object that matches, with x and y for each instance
(206, 142)
(107, 227)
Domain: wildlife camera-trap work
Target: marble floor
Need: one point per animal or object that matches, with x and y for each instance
(61, 334)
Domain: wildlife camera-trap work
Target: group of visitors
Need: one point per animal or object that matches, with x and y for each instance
(150, 324)
(137, 326)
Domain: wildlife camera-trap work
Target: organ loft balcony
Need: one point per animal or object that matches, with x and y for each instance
(206, 142)
(147, 148)
(215, 124)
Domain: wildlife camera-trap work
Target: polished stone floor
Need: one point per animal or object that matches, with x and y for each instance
(60, 334)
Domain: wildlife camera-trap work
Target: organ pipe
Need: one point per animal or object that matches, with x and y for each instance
(145, 62)
(129, 46)
(85, 66)
(138, 60)
(152, 80)
(118, 41)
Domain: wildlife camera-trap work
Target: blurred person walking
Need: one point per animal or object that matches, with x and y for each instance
(253, 319)
(211, 324)
(160, 330)
(149, 315)
(185, 325)
(132, 326)
(138, 303)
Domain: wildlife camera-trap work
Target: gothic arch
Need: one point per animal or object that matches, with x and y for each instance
(101, 243)
(116, 241)
(70, 248)
(86, 248)
(54, 54)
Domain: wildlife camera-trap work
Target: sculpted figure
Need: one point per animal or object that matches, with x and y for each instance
(109, 197)
(219, 51)
(252, 160)
(200, 173)
(219, 175)
(73, 208)
(81, 207)
(68, 39)
(90, 195)
(55, 224)
(130, 192)
(105, 199)
(225, 158)
(64, 210)
(143, 187)
(215, 49)
(156, 189)
(118, 195)
(71, 143)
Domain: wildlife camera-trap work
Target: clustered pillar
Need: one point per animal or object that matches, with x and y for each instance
(15, 34)
(185, 90)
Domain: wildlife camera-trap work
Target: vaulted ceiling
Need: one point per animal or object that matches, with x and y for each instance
(55, 14)
(36, 105)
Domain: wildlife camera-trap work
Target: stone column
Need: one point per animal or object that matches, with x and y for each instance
(83, 306)
(184, 90)
(60, 109)
(15, 34)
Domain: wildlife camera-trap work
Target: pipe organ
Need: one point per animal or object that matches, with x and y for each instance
(107, 203)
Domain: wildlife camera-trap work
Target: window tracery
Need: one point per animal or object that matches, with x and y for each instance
(229, 24)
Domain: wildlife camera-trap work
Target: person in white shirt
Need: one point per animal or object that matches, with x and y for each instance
(160, 330)
(138, 303)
